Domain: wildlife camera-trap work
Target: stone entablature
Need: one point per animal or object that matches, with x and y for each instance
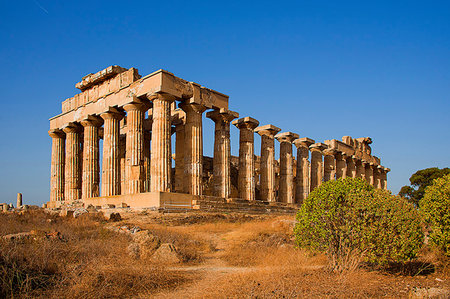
(136, 118)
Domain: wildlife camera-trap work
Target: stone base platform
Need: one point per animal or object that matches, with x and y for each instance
(176, 202)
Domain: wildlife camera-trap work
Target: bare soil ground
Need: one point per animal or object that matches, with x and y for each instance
(224, 256)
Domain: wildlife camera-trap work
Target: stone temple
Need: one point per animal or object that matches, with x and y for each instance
(133, 166)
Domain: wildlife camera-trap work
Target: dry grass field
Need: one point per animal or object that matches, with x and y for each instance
(223, 256)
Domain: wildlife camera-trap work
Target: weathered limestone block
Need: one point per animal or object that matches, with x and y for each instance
(267, 167)
(193, 150)
(160, 172)
(134, 157)
(303, 169)
(72, 186)
(57, 165)
(329, 166)
(246, 180)
(286, 191)
(222, 151)
(91, 167)
(111, 159)
(316, 165)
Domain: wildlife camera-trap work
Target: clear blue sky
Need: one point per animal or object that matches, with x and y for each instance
(322, 69)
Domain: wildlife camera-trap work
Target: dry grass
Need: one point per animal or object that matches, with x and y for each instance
(91, 262)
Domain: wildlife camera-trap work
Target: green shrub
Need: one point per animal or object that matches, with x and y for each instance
(352, 222)
(435, 207)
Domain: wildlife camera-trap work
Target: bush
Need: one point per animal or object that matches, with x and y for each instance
(435, 207)
(352, 222)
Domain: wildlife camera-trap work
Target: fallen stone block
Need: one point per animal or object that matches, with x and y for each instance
(166, 254)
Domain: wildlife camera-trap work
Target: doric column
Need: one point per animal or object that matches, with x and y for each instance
(267, 166)
(134, 157)
(91, 167)
(222, 151)
(122, 161)
(160, 150)
(378, 174)
(286, 191)
(193, 150)
(246, 180)
(360, 170)
(368, 172)
(303, 166)
(72, 186)
(179, 154)
(341, 165)
(147, 158)
(329, 166)
(384, 178)
(57, 165)
(111, 158)
(351, 167)
(316, 165)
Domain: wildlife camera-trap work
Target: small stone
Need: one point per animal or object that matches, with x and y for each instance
(108, 206)
(134, 250)
(167, 254)
(147, 242)
(78, 212)
(112, 216)
(66, 213)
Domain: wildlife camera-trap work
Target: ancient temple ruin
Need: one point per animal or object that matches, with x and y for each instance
(136, 116)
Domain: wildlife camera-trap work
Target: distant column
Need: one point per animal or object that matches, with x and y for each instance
(369, 172)
(303, 166)
(134, 157)
(19, 200)
(329, 166)
(72, 188)
(91, 167)
(341, 165)
(360, 170)
(378, 169)
(316, 165)
(222, 151)
(57, 165)
(147, 141)
(384, 178)
(267, 166)
(246, 180)
(351, 167)
(160, 150)
(286, 191)
(111, 160)
(179, 155)
(193, 154)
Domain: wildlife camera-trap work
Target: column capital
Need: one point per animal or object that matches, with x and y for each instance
(267, 130)
(387, 169)
(56, 133)
(245, 123)
(178, 117)
(330, 152)
(318, 147)
(160, 96)
(286, 137)
(188, 106)
(112, 113)
(72, 128)
(222, 114)
(135, 106)
(92, 121)
(303, 142)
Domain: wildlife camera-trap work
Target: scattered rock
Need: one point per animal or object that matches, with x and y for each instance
(167, 254)
(78, 212)
(147, 243)
(134, 250)
(429, 293)
(135, 229)
(66, 213)
(112, 216)
(18, 236)
(108, 206)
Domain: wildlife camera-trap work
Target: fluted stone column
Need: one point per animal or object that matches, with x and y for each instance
(303, 169)
(267, 165)
(91, 167)
(329, 166)
(316, 165)
(378, 173)
(57, 165)
(360, 170)
(122, 161)
(160, 150)
(384, 178)
(72, 186)
(193, 151)
(369, 173)
(111, 156)
(286, 191)
(222, 151)
(179, 156)
(351, 167)
(341, 165)
(134, 157)
(147, 158)
(246, 180)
